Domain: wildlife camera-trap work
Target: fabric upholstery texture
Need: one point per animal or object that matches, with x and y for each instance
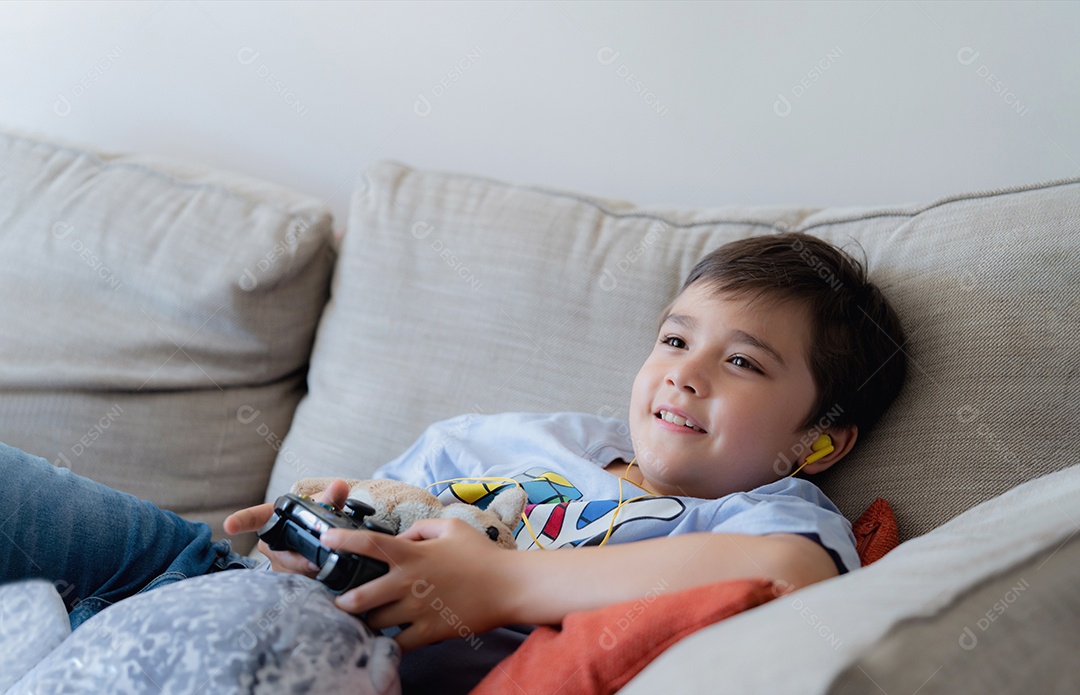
(158, 320)
(458, 294)
(829, 627)
(220, 634)
(1015, 633)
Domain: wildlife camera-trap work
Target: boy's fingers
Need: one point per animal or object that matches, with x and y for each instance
(254, 518)
(284, 561)
(367, 597)
(426, 529)
(250, 519)
(367, 543)
(291, 563)
(390, 615)
(411, 637)
(335, 494)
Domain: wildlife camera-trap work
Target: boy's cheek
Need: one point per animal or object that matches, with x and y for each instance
(642, 390)
(639, 414)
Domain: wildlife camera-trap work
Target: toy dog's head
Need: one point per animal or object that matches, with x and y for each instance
(400, 505)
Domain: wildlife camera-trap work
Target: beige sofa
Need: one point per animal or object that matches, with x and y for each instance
(202, 339)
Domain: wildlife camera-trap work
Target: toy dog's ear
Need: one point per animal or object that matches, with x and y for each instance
(508, 506)
(310, 486)
(313, 486)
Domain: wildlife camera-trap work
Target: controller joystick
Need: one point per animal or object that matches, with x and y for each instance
(357, 509)
(298, 523)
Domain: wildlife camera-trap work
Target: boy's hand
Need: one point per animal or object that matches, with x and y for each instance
(254, 518)
(445, 580)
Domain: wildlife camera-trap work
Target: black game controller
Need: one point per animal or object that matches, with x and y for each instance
(298, 523)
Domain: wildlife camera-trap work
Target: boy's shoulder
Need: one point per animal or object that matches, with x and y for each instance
(791, 487)
(565, 435)
(563, 424)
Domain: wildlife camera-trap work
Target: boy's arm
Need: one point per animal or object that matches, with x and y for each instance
(589, 578)
(446, 578)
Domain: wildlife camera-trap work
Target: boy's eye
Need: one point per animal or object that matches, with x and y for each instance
(674, 341)
(742, 362)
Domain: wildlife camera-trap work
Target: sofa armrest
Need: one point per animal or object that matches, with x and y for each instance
(938, 611)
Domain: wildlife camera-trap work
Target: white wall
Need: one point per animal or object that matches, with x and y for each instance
(803, 102)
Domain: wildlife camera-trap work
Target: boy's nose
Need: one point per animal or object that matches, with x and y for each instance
(686, 381)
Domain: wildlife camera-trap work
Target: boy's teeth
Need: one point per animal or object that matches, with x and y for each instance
(677, 420)
(674, 418)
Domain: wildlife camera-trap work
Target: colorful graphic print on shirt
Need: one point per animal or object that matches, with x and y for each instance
(557, 513)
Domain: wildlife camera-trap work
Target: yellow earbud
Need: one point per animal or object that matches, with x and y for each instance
(821, 447)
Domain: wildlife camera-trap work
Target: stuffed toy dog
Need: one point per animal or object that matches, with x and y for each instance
(400, 505)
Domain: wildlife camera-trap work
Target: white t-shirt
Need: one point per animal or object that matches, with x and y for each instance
(559, 458)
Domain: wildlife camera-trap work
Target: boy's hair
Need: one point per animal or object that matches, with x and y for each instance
(856, 337)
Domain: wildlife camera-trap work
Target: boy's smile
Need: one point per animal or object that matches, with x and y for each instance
(726, 390)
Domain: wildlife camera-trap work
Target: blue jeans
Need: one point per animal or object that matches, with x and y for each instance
(96, 545)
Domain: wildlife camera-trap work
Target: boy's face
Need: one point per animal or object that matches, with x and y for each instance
(738, 372)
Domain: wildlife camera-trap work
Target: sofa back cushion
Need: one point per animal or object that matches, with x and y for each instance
(158, 319)
(456, 294)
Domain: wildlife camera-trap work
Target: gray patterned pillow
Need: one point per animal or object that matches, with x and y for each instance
(33, 621)
(236, 631)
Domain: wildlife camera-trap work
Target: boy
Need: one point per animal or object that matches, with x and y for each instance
(772, 342)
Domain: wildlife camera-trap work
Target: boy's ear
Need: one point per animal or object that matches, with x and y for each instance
(843, 439)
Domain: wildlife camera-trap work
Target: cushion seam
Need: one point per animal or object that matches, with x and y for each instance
(101, 164)
(593, 202)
